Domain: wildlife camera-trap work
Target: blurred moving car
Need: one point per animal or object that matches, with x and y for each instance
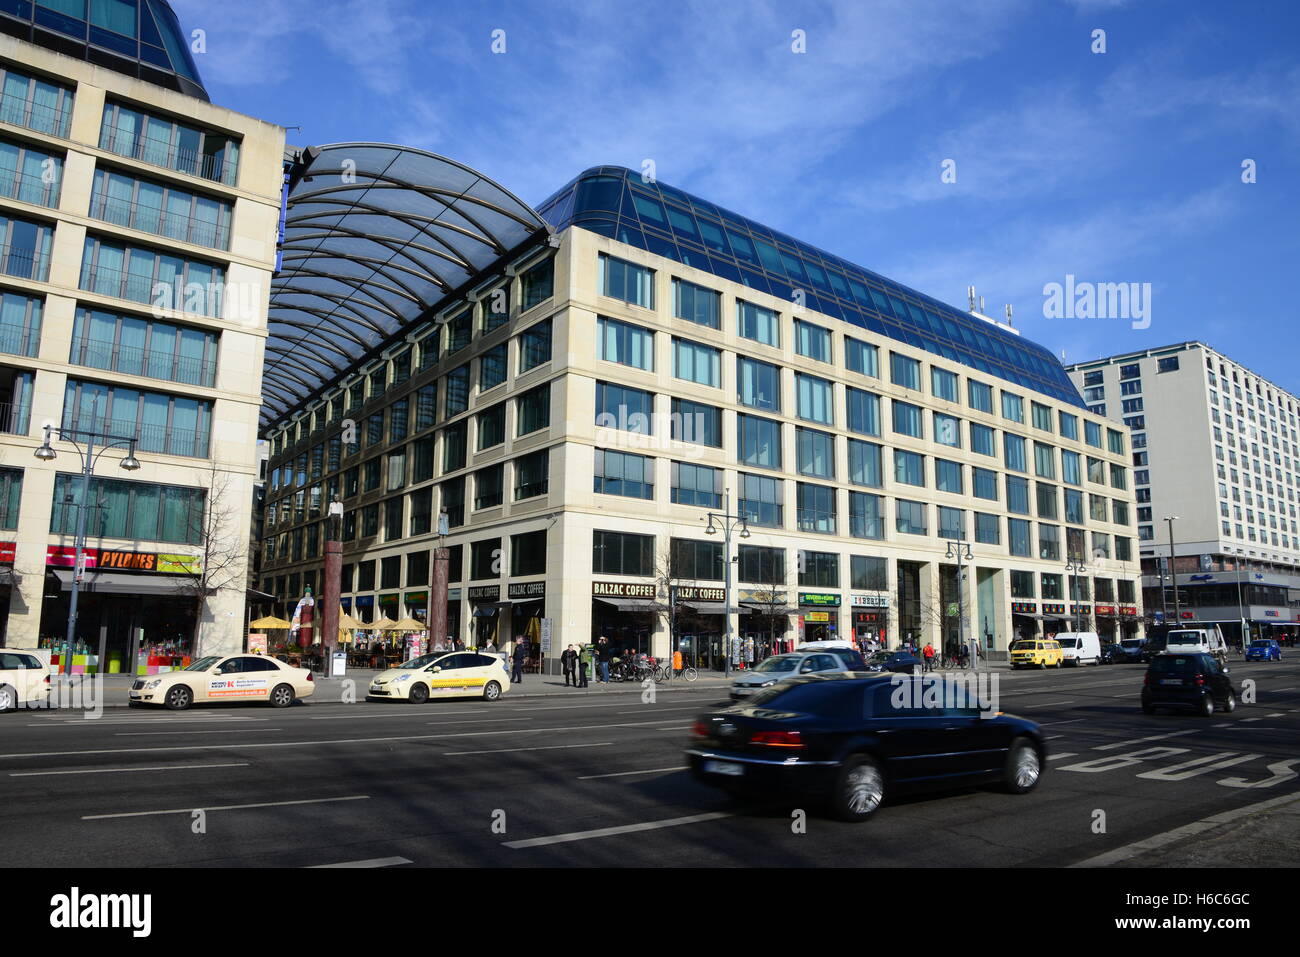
(827, 658)
(443, 674)
(1155, 645)
(1203, 639)
(24, 680)
(225, 678)
(1129, 651)
(1196, 681)
(853, 740)
(1264, 649)
(1043, 652)
(897, 661)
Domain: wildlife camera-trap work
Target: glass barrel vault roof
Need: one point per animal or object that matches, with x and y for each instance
(614, 201)
(375, 237)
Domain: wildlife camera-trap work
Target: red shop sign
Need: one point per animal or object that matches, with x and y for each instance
(7, 550)
(65, 556)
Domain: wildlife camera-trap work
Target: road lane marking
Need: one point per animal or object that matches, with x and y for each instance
(227, 807)
(657, 708)
(169, 767)
(1063, 754)
(1154, 737)
(550, 747)
(373, 862)
(1048, 724)
(394, 714)
(1279, 771)
(1202, 765)
(1051, 704)
(1158, 841)
(613, 831)
(141, 720)
(685, 727)
(623, 774)
(151, 734)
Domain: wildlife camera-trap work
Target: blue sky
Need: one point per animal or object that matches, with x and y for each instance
(1122, 166)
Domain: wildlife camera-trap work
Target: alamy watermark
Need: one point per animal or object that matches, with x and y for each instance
(976, 691)
(1098, 300)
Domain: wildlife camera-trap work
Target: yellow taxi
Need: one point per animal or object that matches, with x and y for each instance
(225, 678)
(442, 674)
(1043, 652)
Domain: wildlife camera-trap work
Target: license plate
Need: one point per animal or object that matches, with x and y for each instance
(724, 767)
(1171, 681)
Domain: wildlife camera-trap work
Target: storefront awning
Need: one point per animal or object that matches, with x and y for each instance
(632, 604)
(758, 608)
(255, 597)
(707, 608)
(484, 611)
(118, 583)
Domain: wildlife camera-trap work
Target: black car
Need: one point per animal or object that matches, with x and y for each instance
(899, 661)
(1112, 654)
(853, 739)
(1195, 681)
(1155, 645)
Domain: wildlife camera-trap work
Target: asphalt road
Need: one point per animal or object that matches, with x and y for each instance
(599, 781)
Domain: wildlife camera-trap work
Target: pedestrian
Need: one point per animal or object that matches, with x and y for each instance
(569, 664)
(929, 656)
(584, 665)
(519, 657)
(491, 648)
(603, 653)
(677, 662)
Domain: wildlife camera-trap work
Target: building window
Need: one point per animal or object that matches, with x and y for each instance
(393, 521)
(909, 468)
(987, 529)
(864, 411)
(692, 560)
(761, 500)
(421, 511)
(426, 407)
(697, 304)
(623, 408)
(943, 384)
(11, 494)
(697, 363)
(492, 426)
(620, 553)
(947, 476)
(696, 423)
(142, 275)
(485, 558)
(537, 284)
(982, 439)
(1115, 441)
(535, 346)
(696, 485)
(984, 484)
(457, 390)
(1044, 461)
(1069, 425)
(1049, 542)
(1167, 364)
(907, 419)
(862, 358)
(865, 466)
(1013, 407)
(757, 565)
(492, 368)
(1092, 433)
(758, 441)
(395, 468)
(811, 341)
(533, 410)
(622, 473)
(532, 474)
(28, 174)
(815, 399)
(164, 210)
(909, 517)
(528, 553)
(454, 441)
(759, 384)
(158, 141)
(137, 511)
(1018, 538)
(952, 523)
(866, 517)
(819, 570)
(626, 344)
(20, 323)
(633, 284)
(755, 322)
(947, 430)
(453, 501)
(35, 104)
(815, 453)
(1017, 494)
(979, 395)
(488, 487)
(1047, 502)
(1014, 449)
(496, 311)
(816, 504)
(165, 424)
(904, 371)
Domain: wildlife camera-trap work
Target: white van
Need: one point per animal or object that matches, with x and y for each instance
(1206, 639)
(1080, 647)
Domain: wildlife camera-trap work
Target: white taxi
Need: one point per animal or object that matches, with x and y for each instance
(226, 678)
(24, 680)
(443, 674)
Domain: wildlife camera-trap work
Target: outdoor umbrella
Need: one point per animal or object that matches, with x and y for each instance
(348, 623)
(410, 624)
(270, 621)
(384, 624)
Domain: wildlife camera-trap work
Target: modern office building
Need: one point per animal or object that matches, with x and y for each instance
(139, 240)
(1214, 449)
(578, 388)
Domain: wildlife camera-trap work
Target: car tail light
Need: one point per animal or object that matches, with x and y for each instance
(1200, 681)
(47, 679)
(777, 739)
(309, 677)
(1146, 680)
(700, 729)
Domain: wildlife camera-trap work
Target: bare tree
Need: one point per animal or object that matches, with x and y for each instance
(223, 553)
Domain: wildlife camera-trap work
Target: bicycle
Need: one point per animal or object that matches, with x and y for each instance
(668, 673)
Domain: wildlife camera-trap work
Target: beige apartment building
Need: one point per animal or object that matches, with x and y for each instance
(639, 360)
(140, 232)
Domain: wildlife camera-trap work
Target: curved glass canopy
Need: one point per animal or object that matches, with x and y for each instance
(142, 39)
(375, 238)
(616, 202)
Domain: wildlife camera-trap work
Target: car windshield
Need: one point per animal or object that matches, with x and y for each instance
(880, 657)
(1068, 642)
(203, 664)
(1261, 643)
(1023, 646)
(779, 663)
(1132, 642)
(1176, 664)
(1184, 638)
(811, 698)
(423, 660)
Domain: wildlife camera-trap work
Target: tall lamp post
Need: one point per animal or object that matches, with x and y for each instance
(1173, 575)
(960, 550)
(89, 456)
(1076, 566)
(726, 521)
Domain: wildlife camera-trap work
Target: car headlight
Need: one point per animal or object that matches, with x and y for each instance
(403, 677)
(153, 684)
(768, 684)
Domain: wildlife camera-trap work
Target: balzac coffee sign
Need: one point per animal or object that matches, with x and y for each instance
(622, 590)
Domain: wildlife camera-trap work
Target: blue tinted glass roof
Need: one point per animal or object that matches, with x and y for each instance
(613, 201)
(141, 38)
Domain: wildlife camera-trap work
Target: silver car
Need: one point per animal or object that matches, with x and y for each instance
(777, 667)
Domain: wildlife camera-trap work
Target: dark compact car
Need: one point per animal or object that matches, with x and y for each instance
(1129, 651)
(1112, 654)
(1154, 645)
(853, 739)
(1195, 681)
(898, 661)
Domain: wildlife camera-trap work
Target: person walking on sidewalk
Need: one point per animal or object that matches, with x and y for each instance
(519, 657)
(929, 656)
(584, 665)
(603, 654)
(569, 664)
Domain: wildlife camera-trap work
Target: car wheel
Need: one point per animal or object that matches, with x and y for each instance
(859, 788)
(282, 696)
(492, 691)
(179, 697)
(1230, 703)
(418, 694)
(1023, 767)
(1207, 705)
(8, 699)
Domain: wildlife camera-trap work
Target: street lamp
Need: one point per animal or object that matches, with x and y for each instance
(1173, 575)
(89, 457)
(960, 550)
(726, 521)
(1076, 566)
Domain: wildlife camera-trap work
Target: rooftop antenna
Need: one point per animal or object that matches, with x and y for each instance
(1062, 355)
(970, 295)
(981, 305)
(1009, 314)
